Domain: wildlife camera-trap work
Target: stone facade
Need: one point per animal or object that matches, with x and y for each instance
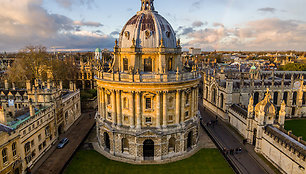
(147, 103)
(45, 111)
(220, 91)
(264, 129)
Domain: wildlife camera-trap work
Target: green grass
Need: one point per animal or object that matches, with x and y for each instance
(298, 127)
(207, 161)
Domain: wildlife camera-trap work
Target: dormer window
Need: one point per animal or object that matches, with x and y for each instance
(148, 65)
(125, 64)
(168, 34)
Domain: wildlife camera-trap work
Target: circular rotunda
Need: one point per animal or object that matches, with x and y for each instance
(147, 102)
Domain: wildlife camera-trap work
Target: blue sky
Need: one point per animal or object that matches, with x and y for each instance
(207, 24)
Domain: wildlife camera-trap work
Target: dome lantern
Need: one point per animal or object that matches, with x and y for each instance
(147, 5)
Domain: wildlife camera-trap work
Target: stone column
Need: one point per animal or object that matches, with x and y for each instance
(158, 109)
(196, 100)
(192, 102)
(119, 107)
(183, 108)
(133, 111)
(165, 109)
(102, 104)
(99, 100)
(177, 107)
(138, 109)
(114, 113)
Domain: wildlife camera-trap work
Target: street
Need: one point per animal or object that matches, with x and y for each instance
(54, 161)
(244, 161)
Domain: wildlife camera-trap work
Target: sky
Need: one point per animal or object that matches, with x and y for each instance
(238, 25)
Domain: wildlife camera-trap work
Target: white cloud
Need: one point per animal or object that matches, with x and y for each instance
(69, 3)
(26, 22)
(265, 34)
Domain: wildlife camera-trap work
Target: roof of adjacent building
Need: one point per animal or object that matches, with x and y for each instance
(4, 128)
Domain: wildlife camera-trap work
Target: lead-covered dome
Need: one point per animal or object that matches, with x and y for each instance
(147, 29)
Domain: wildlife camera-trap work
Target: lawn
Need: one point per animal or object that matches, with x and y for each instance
(206, 161)
(298, 127)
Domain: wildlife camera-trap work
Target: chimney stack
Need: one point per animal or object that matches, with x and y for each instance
(32, 109)
(2, 116)
(28, 84)
(6, 85)
(61, 85)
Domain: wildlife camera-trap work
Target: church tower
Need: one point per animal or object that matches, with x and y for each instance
(148, 104)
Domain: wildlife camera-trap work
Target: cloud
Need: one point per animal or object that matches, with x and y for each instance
(69, 3)
(27, 23)
(115, 33)
(267, 10)
(265, 34)
(196, 5)
(216, 24)
(198, 23)
(88, 23)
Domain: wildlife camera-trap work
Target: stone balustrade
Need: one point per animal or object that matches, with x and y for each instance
(149, 77)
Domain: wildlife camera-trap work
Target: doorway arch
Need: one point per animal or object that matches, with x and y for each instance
(106, 142)
(189, 141)
(148, 149)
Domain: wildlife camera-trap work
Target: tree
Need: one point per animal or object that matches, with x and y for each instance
(31, 63)
(34, 62)
(293, 67)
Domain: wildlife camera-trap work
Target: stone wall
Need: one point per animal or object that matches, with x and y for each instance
(282, 155)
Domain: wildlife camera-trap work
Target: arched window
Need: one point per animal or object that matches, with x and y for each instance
(171, 147)
(221, 101)
(4, 155)
(285, 97)
(148, 65)
(256, 98)
(125, 145)
(206, 93)
(294, 98)
(125, 64)
(14, 149)
(275, 98)
(214, 95)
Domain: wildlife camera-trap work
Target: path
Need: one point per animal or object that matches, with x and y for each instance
(54, 161)
(247, 162)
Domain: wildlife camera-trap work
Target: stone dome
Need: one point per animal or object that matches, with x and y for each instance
(147, 29)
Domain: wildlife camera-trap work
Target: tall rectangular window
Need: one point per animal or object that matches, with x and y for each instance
(285, 97)
(148, 65)
(170, 66)
(14, 150)
(4, 155)
(125, 64)
(148, 103)
(108, 99)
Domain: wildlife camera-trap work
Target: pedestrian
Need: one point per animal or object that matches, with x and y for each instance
(236, 150)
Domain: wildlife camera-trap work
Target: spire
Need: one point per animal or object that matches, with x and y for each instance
(147, 5)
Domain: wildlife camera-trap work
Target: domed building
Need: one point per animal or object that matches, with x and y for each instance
(148, 103)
